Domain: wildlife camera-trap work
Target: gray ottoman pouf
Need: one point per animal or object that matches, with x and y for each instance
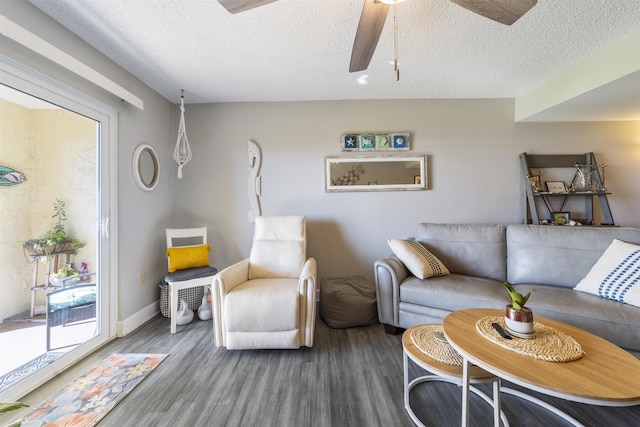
(346, 302)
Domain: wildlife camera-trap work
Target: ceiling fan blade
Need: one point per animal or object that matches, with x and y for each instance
(504, 11)
(237, 6)
(374, 15)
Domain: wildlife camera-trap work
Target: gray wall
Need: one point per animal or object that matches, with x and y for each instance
(142, 216)
(473, 169)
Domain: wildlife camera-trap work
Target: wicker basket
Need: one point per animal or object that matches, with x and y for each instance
(193, 297)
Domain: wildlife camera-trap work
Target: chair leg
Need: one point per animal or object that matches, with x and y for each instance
(173, 309)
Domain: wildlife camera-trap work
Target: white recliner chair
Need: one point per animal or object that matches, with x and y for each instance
(267, 301)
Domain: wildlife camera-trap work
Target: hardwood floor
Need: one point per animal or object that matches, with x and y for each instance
(351, 377)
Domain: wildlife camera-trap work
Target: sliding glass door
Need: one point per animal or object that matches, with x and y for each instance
(57, 168)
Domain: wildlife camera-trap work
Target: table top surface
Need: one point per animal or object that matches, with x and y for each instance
(437, 367)
(605, 375)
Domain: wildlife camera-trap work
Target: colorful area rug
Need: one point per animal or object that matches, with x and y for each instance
(28, 368)
(87, 400)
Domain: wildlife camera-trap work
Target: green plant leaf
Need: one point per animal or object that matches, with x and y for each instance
(517, 299)
(12, 406)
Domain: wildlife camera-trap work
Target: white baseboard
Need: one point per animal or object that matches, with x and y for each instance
(130, 324)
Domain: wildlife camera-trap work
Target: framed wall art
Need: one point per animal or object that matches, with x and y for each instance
(375, 141)
(349, 142)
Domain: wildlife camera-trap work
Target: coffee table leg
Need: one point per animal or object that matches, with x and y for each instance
(405, 362)
(465, 393)
(496, 403)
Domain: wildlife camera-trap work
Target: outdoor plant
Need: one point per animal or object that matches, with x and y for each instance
(65, 271)
(49, 241)
(12, 406)
(517, 299)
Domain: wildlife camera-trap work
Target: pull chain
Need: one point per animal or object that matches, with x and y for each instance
(395, 40)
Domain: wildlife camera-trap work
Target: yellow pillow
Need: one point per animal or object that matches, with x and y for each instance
(184, 257)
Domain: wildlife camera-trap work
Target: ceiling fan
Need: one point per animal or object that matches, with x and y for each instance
(374, 15)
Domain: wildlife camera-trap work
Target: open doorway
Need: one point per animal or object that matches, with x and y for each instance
(58, 151)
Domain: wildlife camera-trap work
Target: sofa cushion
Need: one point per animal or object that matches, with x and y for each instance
(472, 249)
(249, 304)
(611, 320)
(418, 260)
(616, 274)
(454, 292)
(559, 256)
(279, 247)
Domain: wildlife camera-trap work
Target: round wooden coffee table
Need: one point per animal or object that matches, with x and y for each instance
(605, 375)
(444, 372)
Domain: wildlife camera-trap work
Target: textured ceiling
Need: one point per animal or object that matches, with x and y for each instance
(300, 49)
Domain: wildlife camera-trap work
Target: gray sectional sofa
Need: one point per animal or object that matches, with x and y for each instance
(479, 257)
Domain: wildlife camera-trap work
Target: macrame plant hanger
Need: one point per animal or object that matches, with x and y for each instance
(182, 151)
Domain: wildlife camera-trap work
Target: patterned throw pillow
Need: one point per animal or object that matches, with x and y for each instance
(616, 275)
(418, 260)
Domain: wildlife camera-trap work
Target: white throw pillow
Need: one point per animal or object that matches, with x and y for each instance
(420, 262)
(616, 275)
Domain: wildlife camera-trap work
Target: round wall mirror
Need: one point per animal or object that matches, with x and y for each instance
(146, 168)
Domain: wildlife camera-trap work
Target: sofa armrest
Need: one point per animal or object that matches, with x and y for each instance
(389, 273)
(221, 284)
(307, 288)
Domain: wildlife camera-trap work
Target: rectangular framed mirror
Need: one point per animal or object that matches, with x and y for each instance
(375, 173)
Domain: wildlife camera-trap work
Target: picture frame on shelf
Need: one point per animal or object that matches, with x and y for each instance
(556, 186)
(560, 218)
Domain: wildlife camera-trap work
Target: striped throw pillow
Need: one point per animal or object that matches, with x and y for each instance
(418, 260)
(616, 275)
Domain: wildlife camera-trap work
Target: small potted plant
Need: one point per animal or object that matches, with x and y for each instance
(66, 273)
(55, 240)
(517, 317)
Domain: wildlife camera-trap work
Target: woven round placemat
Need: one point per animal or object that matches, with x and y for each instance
(424, 340)
(548, 343)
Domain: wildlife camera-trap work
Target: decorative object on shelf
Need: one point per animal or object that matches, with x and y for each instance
(204, 311)
(517, 317)
(556, 187)
(9, 177)
(145, 166)
(55, 240)
(600, 182)
(582, 179)
(184, 315)
(375, 141)
(561, 218)
(254, 186)
(182, 151)
(535, 182)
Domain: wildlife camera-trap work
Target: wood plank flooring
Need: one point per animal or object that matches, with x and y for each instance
(351, 377)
